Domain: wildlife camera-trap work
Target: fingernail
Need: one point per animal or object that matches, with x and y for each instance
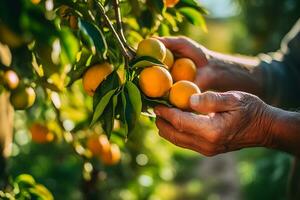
(194, 100)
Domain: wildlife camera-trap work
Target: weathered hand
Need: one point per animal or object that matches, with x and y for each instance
(234, 120)
(216, 71)
(187, 48)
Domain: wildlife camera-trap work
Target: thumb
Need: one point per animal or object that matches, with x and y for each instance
(212, 102)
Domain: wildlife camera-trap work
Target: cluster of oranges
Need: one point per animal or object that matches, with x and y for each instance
(100, 147)
(157, 81)
(21, 96)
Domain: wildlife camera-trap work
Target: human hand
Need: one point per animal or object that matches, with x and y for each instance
(216, 71)
(235, 120)
(184, 47)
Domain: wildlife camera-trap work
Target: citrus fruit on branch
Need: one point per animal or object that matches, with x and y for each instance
(169, 59)
(155, 81)
(22, 98)
(153, 48)
(94, 75)
(183, 69)
(181, 92)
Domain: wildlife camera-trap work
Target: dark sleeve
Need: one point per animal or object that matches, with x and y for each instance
(281, 72)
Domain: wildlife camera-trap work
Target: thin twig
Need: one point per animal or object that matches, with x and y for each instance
(116, 4)
(124, 51)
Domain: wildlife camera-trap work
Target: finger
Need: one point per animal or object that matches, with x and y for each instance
(185, 47)
(186, 140)
(168, 132)
(212, 102)
(183, 121)
(171, 42)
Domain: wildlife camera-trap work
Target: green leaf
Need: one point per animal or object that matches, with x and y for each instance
(194, 17)
(135, 98)
(133, 105)
(110, 83)
(163, 30)
(94, 37)
(123, 112)
(40, 192)
(69, 45)
(154, 102)
(25, 180)
(109, 115)
(80, 67)
(102, 105)
(158, 5)
(145, 61)
(192, 3)
(146, 19)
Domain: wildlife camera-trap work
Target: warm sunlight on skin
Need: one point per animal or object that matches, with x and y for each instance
(241, 59)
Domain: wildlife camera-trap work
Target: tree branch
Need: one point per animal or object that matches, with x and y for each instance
(124, 51)
(116, 4)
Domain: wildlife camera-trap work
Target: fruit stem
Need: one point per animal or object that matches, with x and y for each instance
(116, 5)
(124, 51)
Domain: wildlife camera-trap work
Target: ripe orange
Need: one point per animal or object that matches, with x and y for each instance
(170, 3)
(181, 92)
(10, 79)
(183, 69)
(98, 145)
(169, 59)
(113, 157)
(40, 133)
(151, 47)
(94, 76)
(36, 1)
(155, 81)
(22, 98)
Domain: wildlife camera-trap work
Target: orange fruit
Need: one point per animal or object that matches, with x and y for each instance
(169, 59)
(113, 157)
(98, 145)
(93, 77)
(183, 69)
(170, 3)
(10, 79)
(151, 47)
(40, 133)
(22, 98)
(155, 81)
(35, 1)
(181, 92)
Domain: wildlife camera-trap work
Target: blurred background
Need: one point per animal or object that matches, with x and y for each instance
(153, 169)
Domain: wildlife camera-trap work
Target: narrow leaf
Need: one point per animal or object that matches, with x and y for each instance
(135, 98)
(102, 105)
(94, 36)
(110, 83)
(194, 17)
(192, 3)
(145, 61)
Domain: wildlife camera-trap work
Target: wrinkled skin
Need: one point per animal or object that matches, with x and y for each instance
(222, 122)
(216, 71)
(234, 120)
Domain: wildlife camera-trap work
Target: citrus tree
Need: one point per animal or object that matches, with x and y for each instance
(48, 45)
